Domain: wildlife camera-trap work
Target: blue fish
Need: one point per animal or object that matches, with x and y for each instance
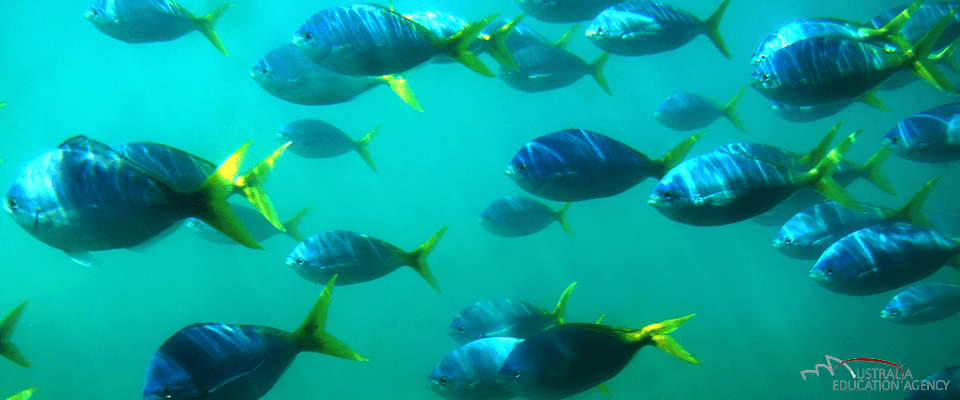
(688, 111)
(513, 35)
(259, 227)
(214, 361)
(939, 386)
(795, 113)
(571, 358)
(809, 233)
(506, 318)
(24, 395)
(317, 139)
(720, 188)
(922, 20)
(470, 371)
(7, 348)
(881, 258)
(372, 40)
(576, 164)
(786, 158)
(356, 258)
(514, 216)
(545, 67)
(142, 21)
(923, 304)
(564, 11)
(85, 196)
(640, 27)
(288, 75)
(931, 136)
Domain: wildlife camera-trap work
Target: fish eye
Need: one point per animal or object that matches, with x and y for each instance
(298, 260)
(766, 77)
(442, 380)
(894, 311)
(787, 240)
(828, 272)
(307, 36)
(667, 195)
(462, 330)
(895, 139)
(12, 204)
(165, 393)
(523, 166)
(516, 372)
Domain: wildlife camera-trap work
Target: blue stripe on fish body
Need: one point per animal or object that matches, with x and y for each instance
(365, 40)
(922, 21)
(564, 11)
(640, 27)
(289, 75)
(804, 29)
(514, 216)
(354, 257)
(499, 318)
(881, 258)
(923, 304)
(824, 69)
(929, 136)
(576, 164)
(766, 153)
(140, 21)
(544, 67)
(470, 371)
(219, 362)
(719, 188)
(182, 170)
(809, 233)
(315, 139)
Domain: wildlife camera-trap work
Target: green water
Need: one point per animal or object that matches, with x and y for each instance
(90, 332)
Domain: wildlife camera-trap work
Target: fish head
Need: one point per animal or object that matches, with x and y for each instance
(899, 140)
(102, 13)
(894, 310)
(167, 380)
(524, 171)
(672, 198)
(831, 273)
(516, 375)
(261, 73)
(32, 198)
(307, 263)
(461, 331)
(448, 379)
(311, 41)
(613, 24)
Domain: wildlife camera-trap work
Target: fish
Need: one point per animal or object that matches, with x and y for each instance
(506, 318)
(313, 138)
(259, 227)
(145, 21)
(929, 388)
(882, 258)
(357, 258)
(511, 36)
(216, 361)
(571, 358)
(564, 11)
(923, 304)
(85, 196)
(545, 67)
(689, 111)
(514, 216)
(24, 395)
(577, 164)
(470, 371)
(921, 21)
(7, 349)
(931, 136)
(772, 154)
(372, 40)
(443, 25)
(810, 71)
(795, 113)
(809, 233)
(719, 188)
(641, 27)
(288, 75)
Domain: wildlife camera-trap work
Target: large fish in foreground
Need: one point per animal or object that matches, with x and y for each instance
(574, 357)
(141, 21)
(7, 348)
(470, 371)
(214, 361)
(577, 164)
(506, 318)
(923, 304)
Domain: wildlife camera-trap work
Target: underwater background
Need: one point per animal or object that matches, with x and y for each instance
(90, 332)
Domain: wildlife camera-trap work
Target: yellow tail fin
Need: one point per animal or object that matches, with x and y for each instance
(417, 259)
(497, 43)
(870, 98)
(361, 147)
(891, 31)
(24, 395)
(871, 171)
(919, 52)
(250, 185)
(561, 309)
(311, 335)
(711, 28)
(729, 110)
(210, 200)
(676, 155)
(565, 39)
(399, 86)
(945, 56)
(596, 71)
(205, 26)
(821, 149)
(456, 47)
(562, 217)
(293, 223)
(910, 211)
(7, 348)
(660, 335)
(821, 176)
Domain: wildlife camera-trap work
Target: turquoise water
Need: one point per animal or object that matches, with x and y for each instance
(90, 332)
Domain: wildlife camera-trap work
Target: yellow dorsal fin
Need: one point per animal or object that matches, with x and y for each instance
(821, 149)
(561, 308)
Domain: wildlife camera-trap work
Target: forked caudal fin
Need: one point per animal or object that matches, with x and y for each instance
(890, 32)
(821, 149)
(871, 171)
(250, 185)
(596, 71)
(562, 217)
(457, 47)
(821, 176)
(7, 348)
(729, 110)
(361, 147)
(311, 336)
(711, 28)
(417, 259)
(205, 25)
(676, 155)
(293, 224)
(210, 200)
(910, 211)
(497, 43)
(561, 309)
(919, 52)
(659, 334)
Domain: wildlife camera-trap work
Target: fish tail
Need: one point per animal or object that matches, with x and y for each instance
(910, 211)
(871, 170)
(7, 348)
(891, 31)
(565, 39)
(596, 71)
(212, 206)
(417, 259)
(250, 185)
(205, 26)
(361, 146)
(729, 110)
(399, 86)
(919, 52)
(293, 223)
(456, 47)
(870, 98)
(562, 217)
(660, 335)
(676, 155)
(712, 29)
(945, 56)
(821, 176)
(561, 310)
(24, 395)
(821, 149)
(311, 335)
(498, 43)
